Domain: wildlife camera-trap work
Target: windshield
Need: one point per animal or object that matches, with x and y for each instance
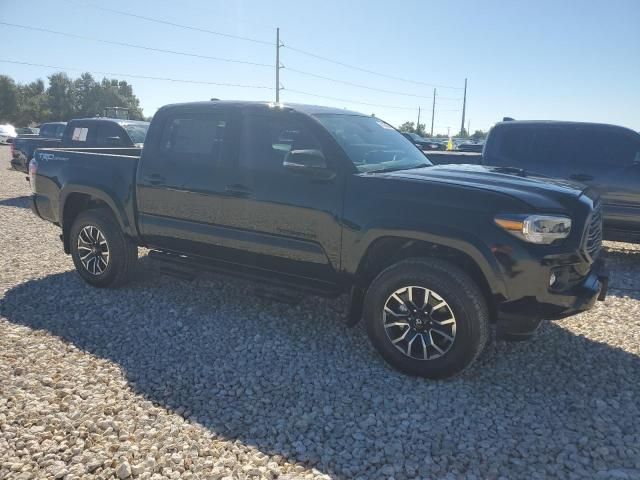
(137, 131)
(371, 144)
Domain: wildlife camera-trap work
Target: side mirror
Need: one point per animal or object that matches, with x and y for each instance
(311, 162)
(113, 141)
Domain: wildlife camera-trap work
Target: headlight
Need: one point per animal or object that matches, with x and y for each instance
(541, 229)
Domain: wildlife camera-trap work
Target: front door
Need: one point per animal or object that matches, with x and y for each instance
(285, 220)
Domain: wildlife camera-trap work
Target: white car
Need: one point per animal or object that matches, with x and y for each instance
(7, 132)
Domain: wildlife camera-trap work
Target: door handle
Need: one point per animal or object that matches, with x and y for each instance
(581, 177)
(237, 190)
(156, 179)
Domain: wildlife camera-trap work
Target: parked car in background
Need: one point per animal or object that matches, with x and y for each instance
(23, 146)
(605, 157)
(421, 142)
(27, 131)
(332, 202)
(83, 132)
(7, 133)
(471, 146)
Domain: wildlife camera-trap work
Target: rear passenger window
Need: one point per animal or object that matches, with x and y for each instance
(199, 136)
(266, 140)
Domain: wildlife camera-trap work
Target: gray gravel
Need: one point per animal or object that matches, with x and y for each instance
(207, 379)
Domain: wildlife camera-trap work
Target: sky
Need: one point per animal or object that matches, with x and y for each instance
(542, 59)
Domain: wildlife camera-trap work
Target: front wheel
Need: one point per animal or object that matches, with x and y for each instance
(426, 317)
(102, 254)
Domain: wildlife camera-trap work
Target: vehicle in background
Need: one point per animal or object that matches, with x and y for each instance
(332, 202)
(471, 146)
(83, 132)
(605, 157)
(421, 142)
(27, 131)
(7, 133)
(121, 113)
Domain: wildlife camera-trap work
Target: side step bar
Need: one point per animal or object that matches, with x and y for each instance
(187, 268)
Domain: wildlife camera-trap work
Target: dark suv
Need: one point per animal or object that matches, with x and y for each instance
(605, 157)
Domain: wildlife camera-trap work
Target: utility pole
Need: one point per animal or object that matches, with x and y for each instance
(468, 128)
(418, 124)
(464, 105)
(433, 110)
(278, 66)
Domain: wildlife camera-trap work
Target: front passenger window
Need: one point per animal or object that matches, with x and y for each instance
(267, 139)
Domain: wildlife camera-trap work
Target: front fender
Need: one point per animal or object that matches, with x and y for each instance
(357, 244)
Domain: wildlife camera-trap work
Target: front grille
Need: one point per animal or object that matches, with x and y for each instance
(593, 235)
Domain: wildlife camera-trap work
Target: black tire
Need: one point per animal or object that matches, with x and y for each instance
(464, 299)
(123, 253)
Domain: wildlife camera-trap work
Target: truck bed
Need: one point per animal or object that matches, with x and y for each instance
(103, 174)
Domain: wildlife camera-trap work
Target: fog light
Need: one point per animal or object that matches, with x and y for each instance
(552, 279)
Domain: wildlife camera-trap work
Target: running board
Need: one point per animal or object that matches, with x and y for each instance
(187, 268)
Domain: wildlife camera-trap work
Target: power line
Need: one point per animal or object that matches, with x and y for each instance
(349, 101)
(144, 77)
(359, 85)
(173, 24)
(131, 45)
(371, 72)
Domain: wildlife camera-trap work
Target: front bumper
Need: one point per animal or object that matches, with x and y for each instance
(521, 318)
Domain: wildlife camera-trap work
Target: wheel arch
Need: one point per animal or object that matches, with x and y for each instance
(387, 250)
(74, 201)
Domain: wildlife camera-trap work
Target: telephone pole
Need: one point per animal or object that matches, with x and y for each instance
(278, 65)
(433, 110)
(418, 124)
(464, 105)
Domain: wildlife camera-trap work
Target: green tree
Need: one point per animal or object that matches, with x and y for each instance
(61, 98)
(8, 99)
(32, 104)
(408, 127)
(479, 135)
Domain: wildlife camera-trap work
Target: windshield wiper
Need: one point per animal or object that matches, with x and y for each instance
(393, 169)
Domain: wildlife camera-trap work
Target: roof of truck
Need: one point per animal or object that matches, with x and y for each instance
(559, 123)
(119, 121)
(260, 105)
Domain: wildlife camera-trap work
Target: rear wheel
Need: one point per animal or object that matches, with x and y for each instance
(426, 317)
(103, 255)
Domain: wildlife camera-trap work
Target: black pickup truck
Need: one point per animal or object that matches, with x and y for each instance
(81, 132)
(333, 202)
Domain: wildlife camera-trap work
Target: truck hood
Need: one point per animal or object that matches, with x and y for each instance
(537, 191)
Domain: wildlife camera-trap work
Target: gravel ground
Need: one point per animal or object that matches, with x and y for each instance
(207, 379)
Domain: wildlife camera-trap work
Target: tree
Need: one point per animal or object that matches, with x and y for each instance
(408, 127)
(61, 97)
(8, 99)
(32, 104)
(479, 135)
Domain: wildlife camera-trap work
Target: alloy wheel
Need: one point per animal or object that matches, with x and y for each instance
(419, 323)
(93, 250)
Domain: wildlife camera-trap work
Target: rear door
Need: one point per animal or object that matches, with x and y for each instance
(182, 179)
